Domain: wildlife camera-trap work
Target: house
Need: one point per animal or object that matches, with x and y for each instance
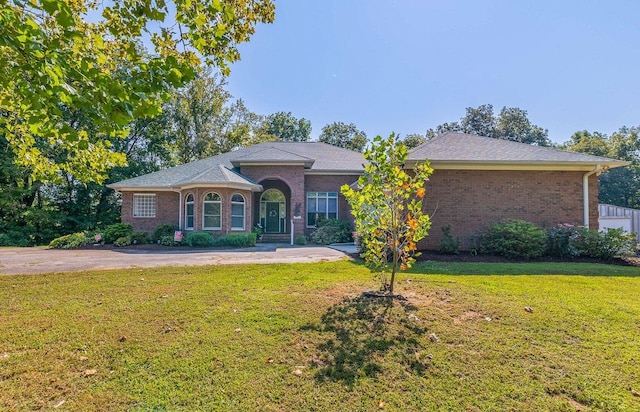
(480, 180)
(287, 186)
(282, 186)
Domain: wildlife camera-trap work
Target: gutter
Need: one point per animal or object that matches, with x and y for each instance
(585, 193)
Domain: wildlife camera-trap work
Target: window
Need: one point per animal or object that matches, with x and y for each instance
(237, 212)
(144, 205)
(212, 212)
(321, 205)
(188, 212)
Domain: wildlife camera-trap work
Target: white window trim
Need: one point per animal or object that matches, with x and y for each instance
(327, 206)
(203, 211)
(186, 216)
(155, 205)
(244, 212)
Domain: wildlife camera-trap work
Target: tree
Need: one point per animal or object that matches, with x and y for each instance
(414, 140)
(619, 186)
(585, 142)
(344, 135)
(58, 55)
(479, 121)
(286, 127)
(511, 124)
(202, 120)
(387, 208)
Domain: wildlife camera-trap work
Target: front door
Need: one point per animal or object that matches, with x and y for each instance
(272, 220)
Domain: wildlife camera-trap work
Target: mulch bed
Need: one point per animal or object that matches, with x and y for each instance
(428, 255)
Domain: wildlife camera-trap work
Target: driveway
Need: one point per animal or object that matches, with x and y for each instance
(40, 260)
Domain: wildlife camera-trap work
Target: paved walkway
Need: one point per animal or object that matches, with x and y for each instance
(40, 260)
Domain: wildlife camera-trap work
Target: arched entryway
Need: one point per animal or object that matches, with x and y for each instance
(273, 211)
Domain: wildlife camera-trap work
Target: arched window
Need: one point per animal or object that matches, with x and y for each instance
(237, 212)
(188, 212)
(212, 212)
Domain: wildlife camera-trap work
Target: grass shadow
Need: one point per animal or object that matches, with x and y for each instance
(366, 336)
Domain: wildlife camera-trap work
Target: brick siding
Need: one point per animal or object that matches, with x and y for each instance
(330, 183)
(166, 211)
(471, 200)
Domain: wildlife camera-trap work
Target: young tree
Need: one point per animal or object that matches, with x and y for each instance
(387, 208)
(344, 135)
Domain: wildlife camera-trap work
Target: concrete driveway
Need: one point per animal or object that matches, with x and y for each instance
(40, 260)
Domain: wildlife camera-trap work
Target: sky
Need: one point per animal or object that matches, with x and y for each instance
(406, 66)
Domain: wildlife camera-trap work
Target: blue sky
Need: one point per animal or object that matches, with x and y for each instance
(409, 65)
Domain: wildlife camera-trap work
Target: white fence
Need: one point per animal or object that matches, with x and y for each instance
(619, 217)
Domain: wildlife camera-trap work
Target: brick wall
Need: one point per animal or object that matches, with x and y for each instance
(293, 176)
(470, 200)
(166, 211)
(225, 194)
(329, 183)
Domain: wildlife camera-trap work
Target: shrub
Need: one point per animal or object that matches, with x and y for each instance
(200, 239)
(448, 244)
(167, 241)
(514, 239)
(140, 238)
(15, 238)
(237, 240)
(561, 241)
(301, 240)
(165, 229)
(71, 241)
(605, 245)
(116, 231)
(332, 231)
(122, 241)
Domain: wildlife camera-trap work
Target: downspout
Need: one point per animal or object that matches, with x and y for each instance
(585, 194)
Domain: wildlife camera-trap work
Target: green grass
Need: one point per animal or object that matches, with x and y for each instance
(230, 338)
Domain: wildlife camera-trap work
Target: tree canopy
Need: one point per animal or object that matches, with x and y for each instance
(344, 135)
(286, 127)
(512, 123)
(61, 56)
(619, 186)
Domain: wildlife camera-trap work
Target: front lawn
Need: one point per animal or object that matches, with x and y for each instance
(298, 337)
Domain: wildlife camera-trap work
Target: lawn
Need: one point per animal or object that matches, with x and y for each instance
(299, 337)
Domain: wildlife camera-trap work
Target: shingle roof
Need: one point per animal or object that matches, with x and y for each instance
(316, 156)
(458, 147)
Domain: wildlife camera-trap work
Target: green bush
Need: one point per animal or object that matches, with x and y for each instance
(165, 229)
(140, 238)
(122, 241)
(448, 244)
(301, 240)
(167, 241)
(15, 238)
(561, 241)
(332, 231)
(116, 231)
(605, 245)
(200, 239)
(237, 240)
(71, 241)
(514, 239)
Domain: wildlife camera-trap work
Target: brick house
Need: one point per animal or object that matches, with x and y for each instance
(280, 185)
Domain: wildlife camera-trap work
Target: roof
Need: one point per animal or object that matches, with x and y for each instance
(221, 170)
(461, 150)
